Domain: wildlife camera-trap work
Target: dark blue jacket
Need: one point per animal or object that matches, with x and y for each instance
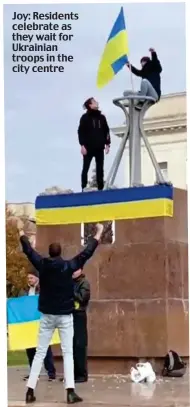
(151, 71)
(55, 274)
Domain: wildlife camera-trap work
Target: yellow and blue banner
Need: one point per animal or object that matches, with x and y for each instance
(97, 206)
(116, 52)
(23, 319)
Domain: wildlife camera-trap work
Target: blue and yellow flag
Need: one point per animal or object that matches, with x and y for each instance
(99, 206)
(115, 52)
(23, 320)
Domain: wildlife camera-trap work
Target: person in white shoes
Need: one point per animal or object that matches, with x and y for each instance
(56, 303)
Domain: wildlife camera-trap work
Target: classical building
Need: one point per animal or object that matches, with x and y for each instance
(166, 127)
(27, 209)
(23, 209)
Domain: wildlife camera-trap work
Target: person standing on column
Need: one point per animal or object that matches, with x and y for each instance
(150, 73)
(94, 138)
(56, 303)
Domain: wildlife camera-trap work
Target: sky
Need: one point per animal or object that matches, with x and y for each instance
(42, 110)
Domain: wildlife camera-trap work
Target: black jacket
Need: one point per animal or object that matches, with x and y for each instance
(55, 274)
(93, 131)
(81, 293)
(151, 71)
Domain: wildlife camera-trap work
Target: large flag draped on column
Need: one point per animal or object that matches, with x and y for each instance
(23, 320)
(101, 206)
(116, 52)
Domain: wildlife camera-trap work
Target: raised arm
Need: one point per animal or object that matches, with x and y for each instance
(155, 60)
(79, 261)
(27, 248)
(34, 257)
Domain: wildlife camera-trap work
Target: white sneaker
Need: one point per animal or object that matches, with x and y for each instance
(90, 189)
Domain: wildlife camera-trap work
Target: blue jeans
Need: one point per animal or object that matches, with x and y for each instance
(48, 361)
(148, 90)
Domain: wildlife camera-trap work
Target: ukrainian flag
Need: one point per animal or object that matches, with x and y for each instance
(23, 320)
(97, 206)
(115, 52)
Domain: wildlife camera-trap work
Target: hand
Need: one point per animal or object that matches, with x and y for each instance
(32, 240)
(107, 149)
(151, 50)
(20, 225)
(99, 228)
(83, 150)
(99, 231)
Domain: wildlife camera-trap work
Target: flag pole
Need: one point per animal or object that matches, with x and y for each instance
(131, 76)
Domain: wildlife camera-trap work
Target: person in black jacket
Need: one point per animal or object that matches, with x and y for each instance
(80, 341)
(150, 74)
(56, 303)
(94, 138)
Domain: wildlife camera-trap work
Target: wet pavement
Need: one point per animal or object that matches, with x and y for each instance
(101, 391)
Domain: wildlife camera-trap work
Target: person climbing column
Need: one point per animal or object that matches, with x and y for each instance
(150, 73)
(94, 138)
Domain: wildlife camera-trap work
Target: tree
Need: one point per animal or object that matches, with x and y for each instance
(17, 264)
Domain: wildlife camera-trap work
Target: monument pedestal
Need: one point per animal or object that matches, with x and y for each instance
(139, 288)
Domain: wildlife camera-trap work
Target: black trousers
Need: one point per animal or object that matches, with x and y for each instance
(99, 158)
(80, 342)
(48, 361)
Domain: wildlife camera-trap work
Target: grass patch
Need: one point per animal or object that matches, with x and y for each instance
(17, 358)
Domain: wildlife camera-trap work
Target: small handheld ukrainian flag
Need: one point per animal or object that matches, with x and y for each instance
(115, 53)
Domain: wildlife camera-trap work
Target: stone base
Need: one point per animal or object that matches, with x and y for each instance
(139, 285)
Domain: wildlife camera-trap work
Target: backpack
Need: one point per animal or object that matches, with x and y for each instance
(173, 365)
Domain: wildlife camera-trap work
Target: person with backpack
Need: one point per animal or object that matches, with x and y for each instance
(150, 73)
(94, 139)
(80, 340)
(33, 289)
(56, 304)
